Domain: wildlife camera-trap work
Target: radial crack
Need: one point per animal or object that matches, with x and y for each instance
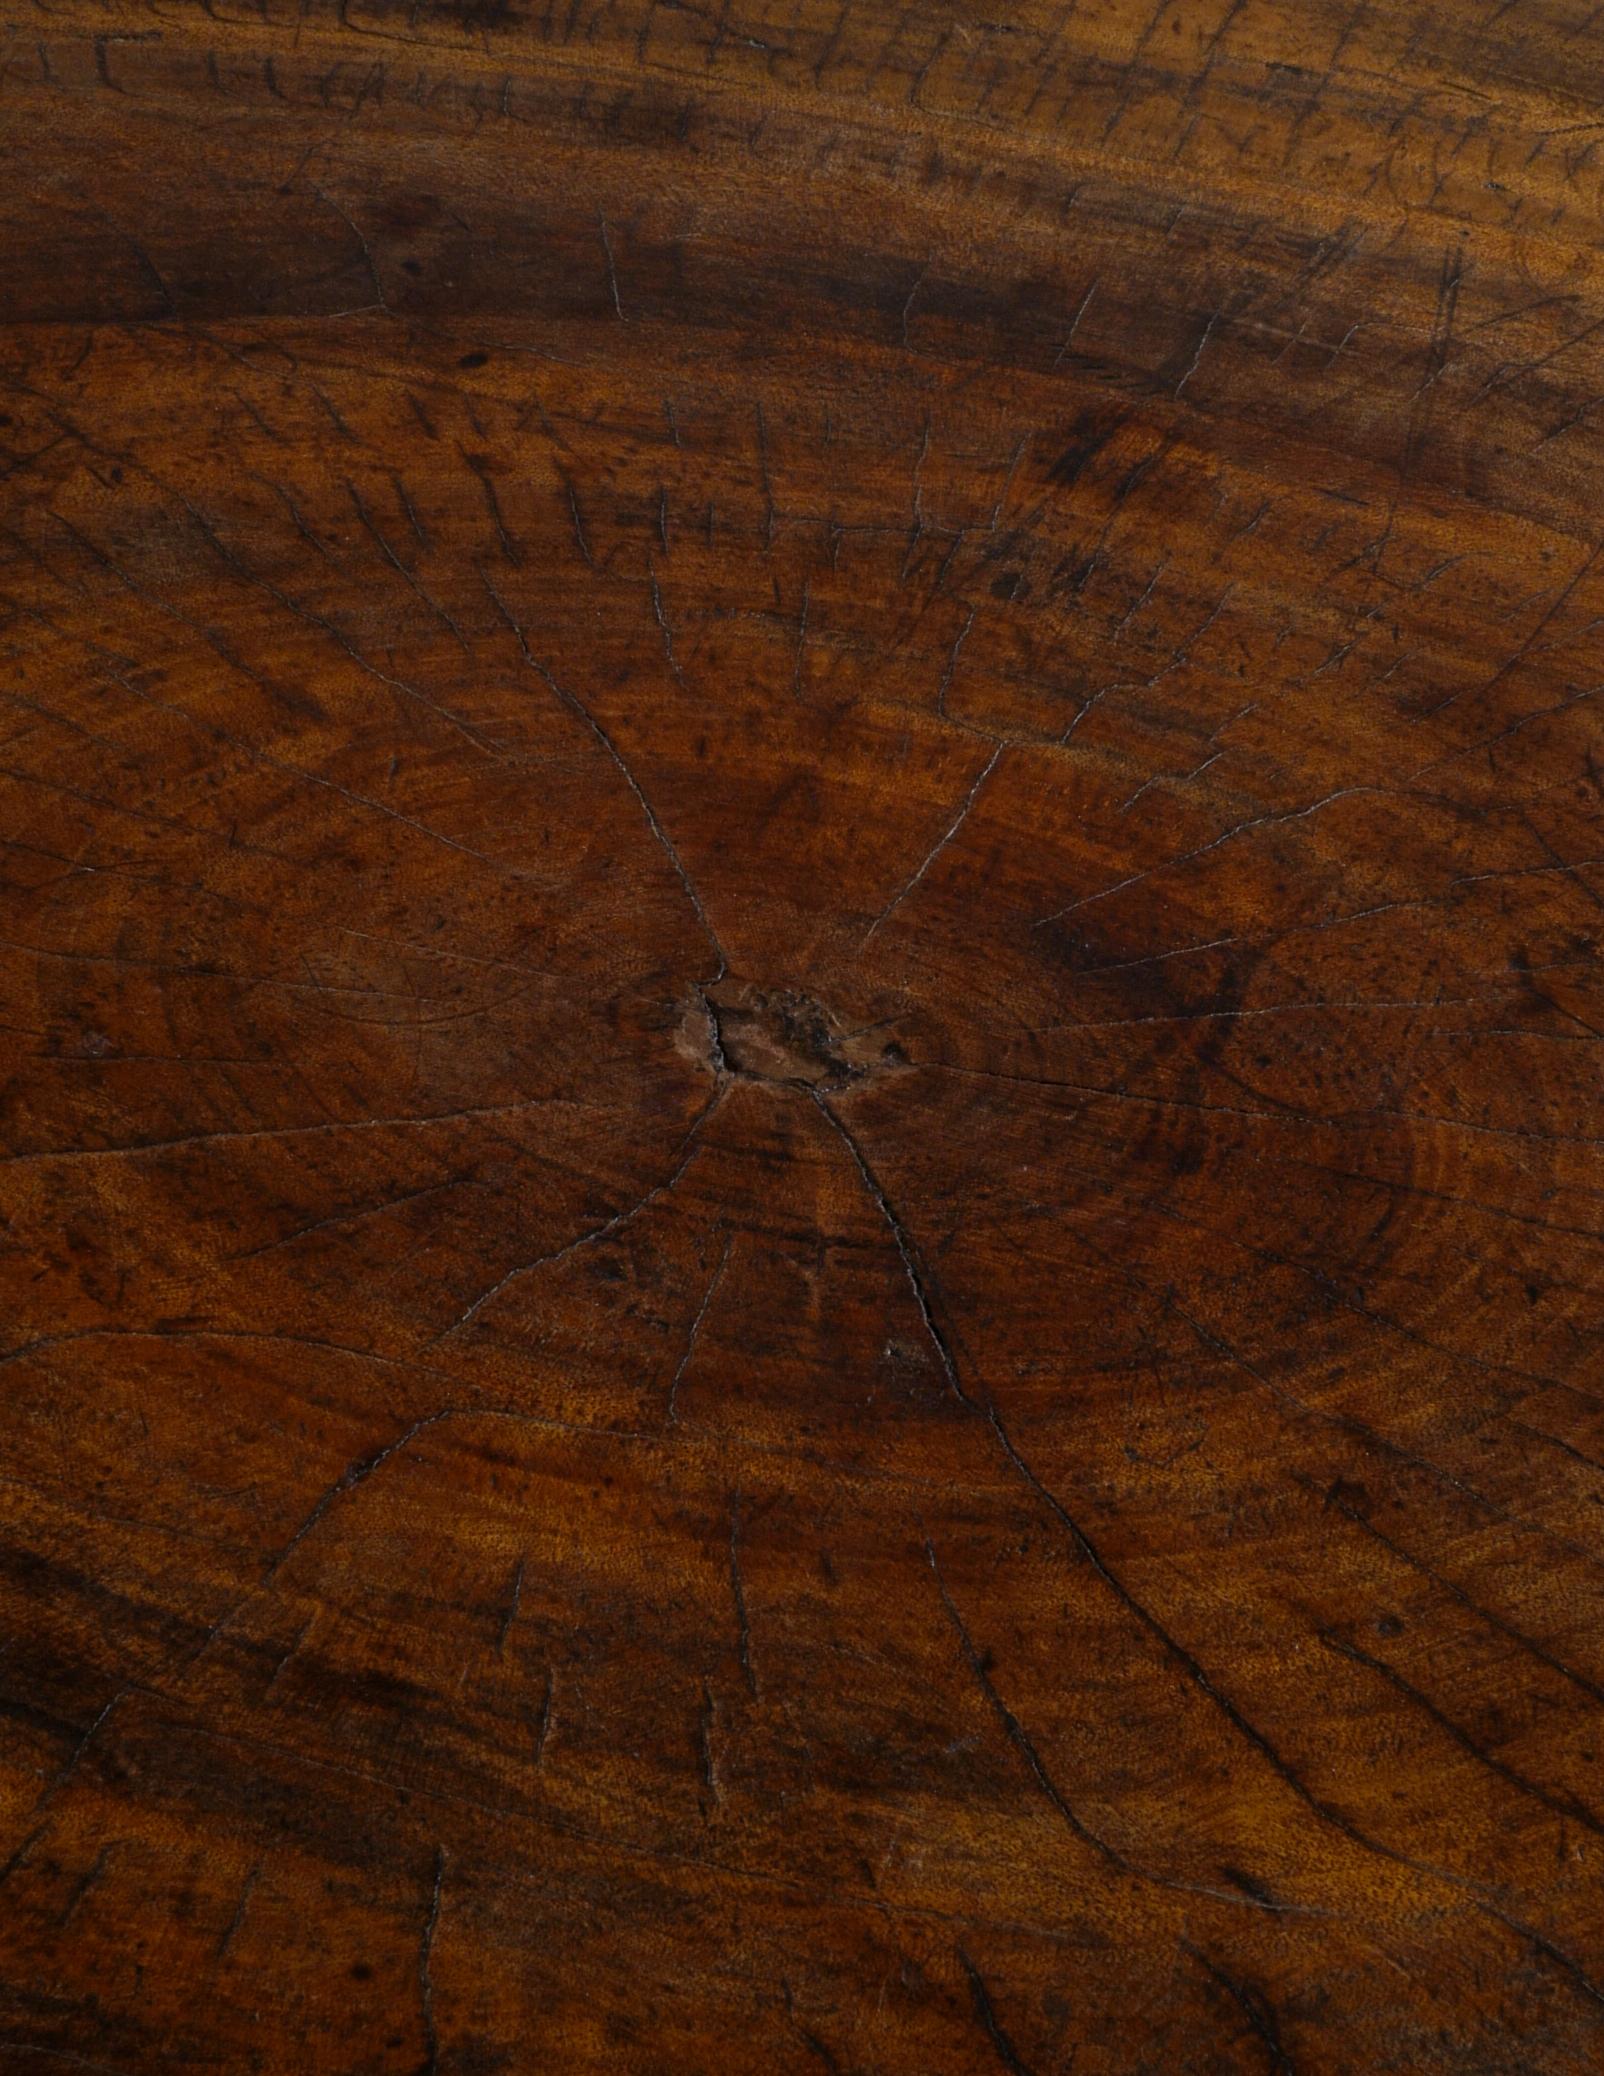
(582, 713)
(917, 1282)
(686, 1152)
(939, 846)
(1018, 1736)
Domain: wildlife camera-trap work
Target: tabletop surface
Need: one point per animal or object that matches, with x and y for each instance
(801, 882)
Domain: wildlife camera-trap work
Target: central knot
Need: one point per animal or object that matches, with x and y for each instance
(780, 1036)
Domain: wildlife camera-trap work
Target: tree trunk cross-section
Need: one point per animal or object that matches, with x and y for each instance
(801, 1128)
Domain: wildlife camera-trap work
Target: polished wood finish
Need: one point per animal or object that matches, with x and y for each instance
(802, 1200)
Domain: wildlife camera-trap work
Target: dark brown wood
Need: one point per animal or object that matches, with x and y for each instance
(803, 1250)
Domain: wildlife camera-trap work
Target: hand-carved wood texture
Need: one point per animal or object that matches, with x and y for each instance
(803, 844)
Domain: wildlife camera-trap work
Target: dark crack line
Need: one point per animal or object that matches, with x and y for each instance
(686, 1152)
(1559, 1803)
(1018, 1736)
(431, 2034)
(905, 1248)
(425, 599)
(583, 714)
(264, 1132)
(671, 1413)
(612, 267)
(59, 1780)
(952, 663)
(1254, 2006)
(514, 1600)
(1494, 1621)
(1023, 1742)
(706, 1724)
(939, 846)
(285, 695)
(664, 629)
(242, 1904)
(1326, 1811)
(1082, 1541)
(990, 2024)
(743, 1626)
(1273, 820)
(820, 2052)
(83, 1885)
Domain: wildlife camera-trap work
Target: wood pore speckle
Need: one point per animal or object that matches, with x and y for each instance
(801, 1130)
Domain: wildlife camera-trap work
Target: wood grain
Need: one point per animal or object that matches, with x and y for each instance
(803, 1227)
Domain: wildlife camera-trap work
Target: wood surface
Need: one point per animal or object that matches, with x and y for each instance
(802, 1261)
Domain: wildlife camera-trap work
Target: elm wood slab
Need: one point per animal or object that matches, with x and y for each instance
(803, 862)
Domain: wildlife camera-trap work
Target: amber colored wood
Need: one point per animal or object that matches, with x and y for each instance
(802, 1261)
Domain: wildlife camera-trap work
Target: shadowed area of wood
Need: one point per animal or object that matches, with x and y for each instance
(801, 882)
